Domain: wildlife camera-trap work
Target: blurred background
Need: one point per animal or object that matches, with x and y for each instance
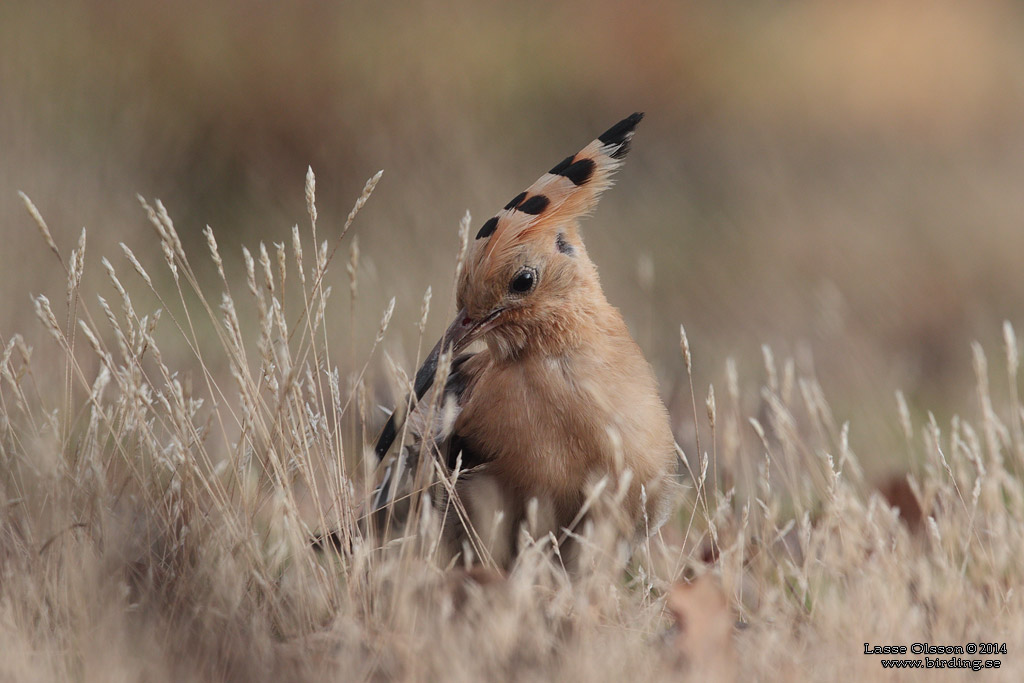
(841, 180)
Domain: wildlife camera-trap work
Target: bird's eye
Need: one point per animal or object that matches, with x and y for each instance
(523, 282)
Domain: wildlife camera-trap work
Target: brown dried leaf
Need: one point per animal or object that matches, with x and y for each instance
(705, 623)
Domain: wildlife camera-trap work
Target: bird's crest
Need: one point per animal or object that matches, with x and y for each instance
(567, 192)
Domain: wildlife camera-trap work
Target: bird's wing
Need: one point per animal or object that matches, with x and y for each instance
(429, 429)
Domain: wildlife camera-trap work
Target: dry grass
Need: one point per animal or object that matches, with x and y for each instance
(156, 519)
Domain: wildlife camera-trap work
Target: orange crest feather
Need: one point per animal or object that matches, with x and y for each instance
(567, 192)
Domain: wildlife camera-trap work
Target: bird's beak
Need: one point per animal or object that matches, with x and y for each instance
(458, 335)
(461, 333)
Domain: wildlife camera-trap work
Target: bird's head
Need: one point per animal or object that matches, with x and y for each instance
(527, 280)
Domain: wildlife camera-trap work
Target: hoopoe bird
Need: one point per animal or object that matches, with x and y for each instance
(559, 396)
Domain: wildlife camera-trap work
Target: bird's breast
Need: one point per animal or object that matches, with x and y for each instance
(553, 425)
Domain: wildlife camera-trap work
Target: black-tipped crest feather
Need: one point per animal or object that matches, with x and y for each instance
(579, 172)
(618, 134)
(534, 205)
